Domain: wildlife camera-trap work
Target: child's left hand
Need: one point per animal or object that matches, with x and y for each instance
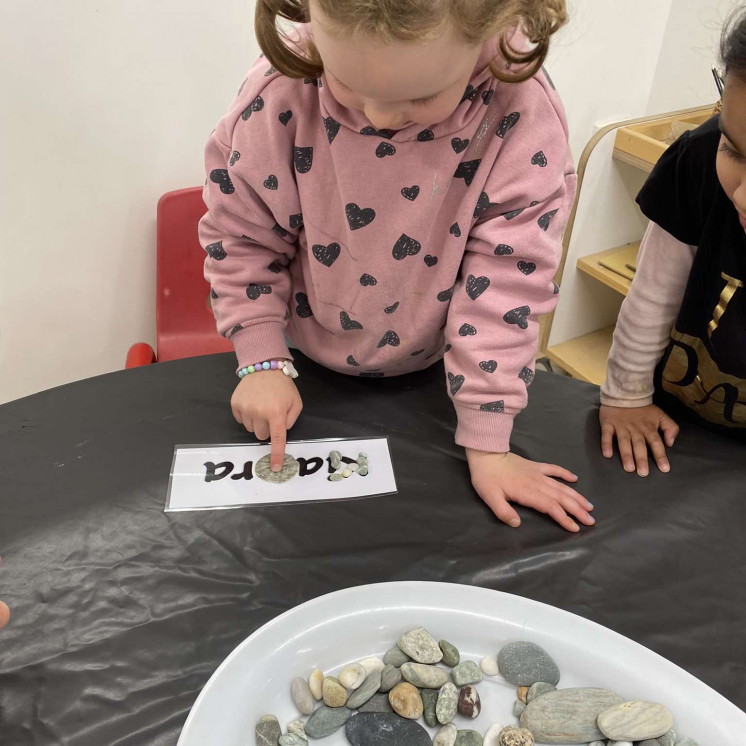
(501, 478)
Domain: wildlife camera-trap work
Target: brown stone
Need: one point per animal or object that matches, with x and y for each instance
(406, 701)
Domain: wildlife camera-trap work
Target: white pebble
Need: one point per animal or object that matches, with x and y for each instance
(492, 736)
(352, 676)
(372, 664)
(446, 736)
(489, 666)
(315, 681)
(298, 728)
(353, 467)
(618, 743)
(597, 743)
(347, 473)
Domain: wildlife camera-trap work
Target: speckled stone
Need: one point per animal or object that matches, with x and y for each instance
(315, 683)
(424, 676)
(377, 729)
(390, 677)
(467, 672)
(668, 739)
(489, 666)
(326, 720)
(524, 663)
(568, 715)
(377, 703)
(537, 689)
(420, 646)
(301, 695)
(446, 736)
(635, 721)
(447, 704)
(406, 701)
(518, 708)
(293, 739)
(352, 676)
(268, 731)
(395, 656)
(290, 469)
(333, 693)
(512, 736)
(429, 700)
(367, 689)
(298, 728)
(451, 655)
(468, 738)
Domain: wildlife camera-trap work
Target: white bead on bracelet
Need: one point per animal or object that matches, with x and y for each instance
(284, 365)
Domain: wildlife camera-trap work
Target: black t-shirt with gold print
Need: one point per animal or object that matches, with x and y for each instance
(704, 365)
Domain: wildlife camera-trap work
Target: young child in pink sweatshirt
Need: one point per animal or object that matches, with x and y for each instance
(389, 187)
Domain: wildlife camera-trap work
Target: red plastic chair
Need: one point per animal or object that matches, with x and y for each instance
(185, 326)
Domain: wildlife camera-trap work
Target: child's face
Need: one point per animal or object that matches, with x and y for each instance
(731, 158)
(395, 84)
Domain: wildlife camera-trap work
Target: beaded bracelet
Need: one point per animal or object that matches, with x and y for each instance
(284, 365)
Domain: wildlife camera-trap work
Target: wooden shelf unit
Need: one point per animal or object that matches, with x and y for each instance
(592, 265)
(584, 357)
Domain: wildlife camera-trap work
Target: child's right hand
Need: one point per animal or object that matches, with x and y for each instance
(636, 429)
(268, 404)
(4, 614)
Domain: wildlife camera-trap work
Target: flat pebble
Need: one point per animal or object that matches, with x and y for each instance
(390, 677)
(335, 460)
(635, 721)
(406, 701)
(315, 683)
(353, 467)
(492, 736)
(302, 697)
(395, 656)
(326, 720)
(363, 471)
(489, 666)
(420, 646)
(668, 739)
(292, 739)
(446, 736)
(512, 736)
(268, 731)
(518, 708)
(298, 728)
(347, 473)
(537, 689)
(427, 677)
(568, 715)
(468, 738)
(429, 700)
(372, 664)
(376, 729)
(377, 703)
(447, 704)
(365, 691)
(352, 676)
(333, 693)
(290, 469)
(524, 663)
(469, 704)
(451, 655)
(336, 477)
(467, 672)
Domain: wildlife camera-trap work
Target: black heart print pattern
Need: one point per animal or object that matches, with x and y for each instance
(475, 286)
(359, 217)
(279, 230)
(285, 117)
(467, 330)
(539, 159)
(220, 177)
(270, 71)
(488, 366)
(507, 124)
(445, 295)
(546, 219)
(513, 213)
(236, 328)
(502, 249)
(373, 132)
(391, 309)
(447, 348)
(347, 323)
(366, 280)
(216, 251)
(213, 294)
(384, 149)
(527, 376)
(351, 361)
(431, 260)
(455, 383)
(390, 338)
(487, 97)
(410, 193)
(270, 182)
(276, 267)
(332, 128)
(327, 255)
(555, 288)
(256, 105)
(526, 267)
(459, 145)
(425, 135)
(254, 291)
(235, 155)
(549, 80)
(466, 171)
(454, 230)
(483, 203)
(315, 82)
(405, 247)
(303, 159)
(469, 94)
(518, 316)
(296, 221)
(304, 308)
(493, 406)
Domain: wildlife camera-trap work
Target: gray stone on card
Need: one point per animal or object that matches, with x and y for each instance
(377, 703)
(518, 708)
(468, 738)
(290, 469)
(524, 663)
(366, 690)
(326, 720)
(635, 721)
(447, 704)
(451, 655)
(537, 689)
(390, 677)
(420, 646)
(293, 739)
(379, 729)
(424, 676)
(429, 700)
(395, 656)
(568, 715)
(268, 731)
(467, 672)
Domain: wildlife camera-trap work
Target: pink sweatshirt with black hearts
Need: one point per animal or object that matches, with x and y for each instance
(377, 252)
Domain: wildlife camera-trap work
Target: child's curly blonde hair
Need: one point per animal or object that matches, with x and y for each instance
(414, 20)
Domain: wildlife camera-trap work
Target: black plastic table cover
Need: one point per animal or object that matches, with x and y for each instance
(121, 612)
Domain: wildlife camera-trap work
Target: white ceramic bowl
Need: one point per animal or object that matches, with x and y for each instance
(349, 625)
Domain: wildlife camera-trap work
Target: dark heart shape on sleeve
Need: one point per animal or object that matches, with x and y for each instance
(445, 295)
(475, 286)
(539, 159)
(546, 219)
(455, 382)
(276, 267)
(411, 193)
(487, 97)
(332, 128)
(216, 251)
(454, 230)
(466, 170)
(390, 338)
(271, 70)
(502, 249)
(526, 267)
(555, 288)
(315, 82)
(518, 316)
(279, 230)
(347, 322)
(405, 247)
(431, 260)
(513, 213)
(270, 182)
(447, 348)
(488, 366)
(384, 149)
(469, 94)
(483, 203)
(256, 105)
(527, 376)
(467, 330)
(327, 255)
(213, 294)
(373, 132)
(285, 117)
(366, 280)
(235, 155)
(254, 291)
(304, 308)
(507, 124)
(351, 361)
(236, 328)
(296, 221)
(220, 177)
(459, 145)
(303, 159)
(493, 406)
(391, 309)
(359, 217)
(425, 135)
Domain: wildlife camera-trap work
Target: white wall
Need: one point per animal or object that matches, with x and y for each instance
(106, 104)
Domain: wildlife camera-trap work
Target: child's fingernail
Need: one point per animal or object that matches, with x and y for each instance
(515, 523)
(665, 467)
(589, 504)
(591, 519)
(276, 468)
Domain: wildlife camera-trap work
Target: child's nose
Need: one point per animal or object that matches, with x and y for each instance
(383, 119)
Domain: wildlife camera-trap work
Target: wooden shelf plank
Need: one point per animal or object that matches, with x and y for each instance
(584, 357)
(593, 265)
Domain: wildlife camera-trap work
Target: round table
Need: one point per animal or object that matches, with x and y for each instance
(121, 612)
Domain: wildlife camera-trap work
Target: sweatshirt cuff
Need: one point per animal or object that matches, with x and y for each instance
(483, 431)
(260, 342)
(638, 401)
